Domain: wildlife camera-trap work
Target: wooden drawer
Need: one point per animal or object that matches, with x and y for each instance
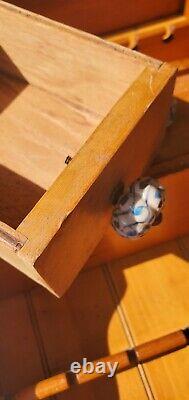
(64, 92)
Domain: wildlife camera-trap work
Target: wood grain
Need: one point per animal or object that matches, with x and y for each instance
(67, 61)
(155, 303)
(78, 50)
(64, 381)
(94, 210)
(104, 16)
(85, 323)
(61, 108)
(89, 321)
(20, 362)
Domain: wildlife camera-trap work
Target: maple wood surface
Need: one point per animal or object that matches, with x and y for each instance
(155, 303)
(107, 309)
(102, 16)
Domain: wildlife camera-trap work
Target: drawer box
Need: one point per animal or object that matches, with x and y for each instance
(66, 93)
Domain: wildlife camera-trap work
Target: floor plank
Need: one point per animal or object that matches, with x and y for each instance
(156, 302)
(20, 363)
(85, 324)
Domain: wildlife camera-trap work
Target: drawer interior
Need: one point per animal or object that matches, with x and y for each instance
(52, 98)
(68, 95)
(167, 17)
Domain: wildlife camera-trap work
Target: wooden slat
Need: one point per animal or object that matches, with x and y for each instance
(169, 376)
(20, 363)
(85, 323)
(155, 303)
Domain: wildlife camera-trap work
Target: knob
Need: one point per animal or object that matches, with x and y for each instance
(139, 208)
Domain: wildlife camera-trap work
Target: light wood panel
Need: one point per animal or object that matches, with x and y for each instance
(100, 17)
(44, 128)
(41, 335)
(168, 376)
(152, 288)
(93, 212)
(85, 323)
(20, 363)
(68, 64)
(111, 246)
(155, 303)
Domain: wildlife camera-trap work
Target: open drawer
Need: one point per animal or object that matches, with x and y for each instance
(66, 93)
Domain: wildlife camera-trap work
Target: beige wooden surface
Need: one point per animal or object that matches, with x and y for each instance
(68, 64)
(86, 225)
(106, 310)
(156, 302)
(75, 69)
(20, 361)
(41, 335)
(100, 17)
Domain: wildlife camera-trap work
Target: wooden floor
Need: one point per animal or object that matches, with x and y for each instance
(106, 310)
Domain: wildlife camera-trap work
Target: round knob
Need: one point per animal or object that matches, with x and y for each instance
(138, 208)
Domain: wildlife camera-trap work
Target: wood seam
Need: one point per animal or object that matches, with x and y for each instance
(37, 335)
(125, 324)
(183, 248)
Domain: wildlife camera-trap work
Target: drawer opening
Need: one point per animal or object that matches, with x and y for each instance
(50, 104)
(67, 93)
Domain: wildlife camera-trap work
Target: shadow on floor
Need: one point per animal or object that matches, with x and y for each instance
(12, 82)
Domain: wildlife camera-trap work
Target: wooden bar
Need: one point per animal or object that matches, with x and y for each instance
(62, 382)
(154, 304)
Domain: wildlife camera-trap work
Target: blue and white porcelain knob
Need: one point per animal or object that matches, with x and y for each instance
(139, 208)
